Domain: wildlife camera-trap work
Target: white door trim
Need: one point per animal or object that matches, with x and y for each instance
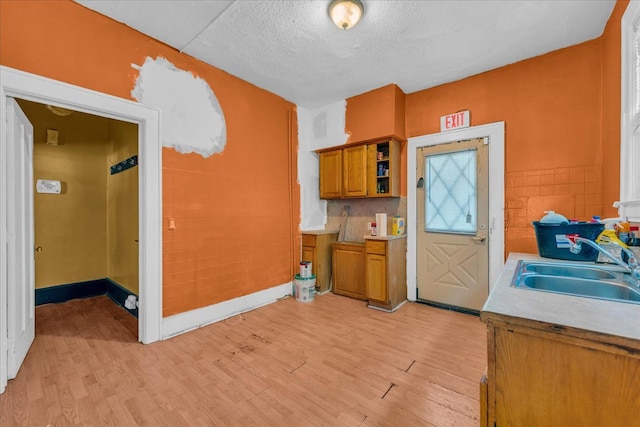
(19, 84)
(495, 134)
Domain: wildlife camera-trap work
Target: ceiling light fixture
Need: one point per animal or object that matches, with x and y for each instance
(346, 13)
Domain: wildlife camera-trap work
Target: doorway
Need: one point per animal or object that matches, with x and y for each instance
(85, 207)
(453, 211)
(494, 135)
(18, 84)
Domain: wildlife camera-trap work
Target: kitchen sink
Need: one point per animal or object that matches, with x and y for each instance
(585, 281)
(571, 271)
(582, 287)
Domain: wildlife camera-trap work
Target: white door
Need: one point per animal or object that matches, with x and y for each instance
(452, 204)
(20, 265)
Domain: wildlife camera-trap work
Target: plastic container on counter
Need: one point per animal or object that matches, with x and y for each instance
(553, 242)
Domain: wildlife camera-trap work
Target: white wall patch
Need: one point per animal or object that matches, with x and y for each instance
(318, 128)
(192, 120)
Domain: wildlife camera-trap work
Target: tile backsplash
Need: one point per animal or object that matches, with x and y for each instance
(575, 192)
(362, 211)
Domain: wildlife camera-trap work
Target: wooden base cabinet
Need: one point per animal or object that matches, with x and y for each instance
(539, 377)
(348, 270)
(385, 272)
(316, 247)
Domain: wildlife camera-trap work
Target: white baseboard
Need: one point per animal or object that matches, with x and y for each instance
(184, 322)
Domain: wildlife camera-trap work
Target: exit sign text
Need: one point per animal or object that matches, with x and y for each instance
(455, 121)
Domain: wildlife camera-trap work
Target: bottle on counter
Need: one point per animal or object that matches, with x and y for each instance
(374, 229)
(623, 230)
(634, 236)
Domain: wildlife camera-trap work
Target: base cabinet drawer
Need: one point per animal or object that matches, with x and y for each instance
(377, 278)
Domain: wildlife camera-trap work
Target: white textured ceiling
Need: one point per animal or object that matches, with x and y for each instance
(291, 47)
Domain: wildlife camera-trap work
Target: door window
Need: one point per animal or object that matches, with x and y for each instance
(451, 201)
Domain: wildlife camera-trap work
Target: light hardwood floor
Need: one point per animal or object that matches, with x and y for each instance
(332, 362)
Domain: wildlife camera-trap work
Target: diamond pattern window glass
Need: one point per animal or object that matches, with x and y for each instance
(451, 200)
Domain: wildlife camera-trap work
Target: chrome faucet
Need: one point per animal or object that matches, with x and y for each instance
(631, 266)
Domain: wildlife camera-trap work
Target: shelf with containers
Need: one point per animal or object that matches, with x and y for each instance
(384, 168)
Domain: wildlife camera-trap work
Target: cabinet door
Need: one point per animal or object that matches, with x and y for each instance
(348, 270)
(322, 261)
(309, 254)
(354, 174)
(545, 379)
(376, 277)
(331, 174)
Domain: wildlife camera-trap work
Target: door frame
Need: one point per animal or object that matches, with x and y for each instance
(494, 132)
(19, 84)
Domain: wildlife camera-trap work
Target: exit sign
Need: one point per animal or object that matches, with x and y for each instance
(455, 121)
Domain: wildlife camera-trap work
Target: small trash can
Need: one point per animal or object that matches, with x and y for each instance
(304, 288)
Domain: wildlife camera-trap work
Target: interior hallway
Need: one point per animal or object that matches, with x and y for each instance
(330, 362)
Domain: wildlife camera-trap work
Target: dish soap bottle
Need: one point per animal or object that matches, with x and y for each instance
(608, 239)
(609, 234)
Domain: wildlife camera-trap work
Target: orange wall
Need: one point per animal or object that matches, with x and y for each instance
(611, 45)
(233, 210)
(562, 114)
(376, 113)
(551, 106)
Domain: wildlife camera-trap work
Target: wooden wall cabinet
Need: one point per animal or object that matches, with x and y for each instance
(354, 171)
(316, 247)
(539, 377)
(385, 272)
(365, 169)
(348, 270)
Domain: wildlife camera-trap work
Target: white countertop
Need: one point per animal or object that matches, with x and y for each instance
(614, 322)
(388, 237)
(318, 232)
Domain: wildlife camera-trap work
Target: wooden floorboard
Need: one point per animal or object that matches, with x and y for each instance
(332, 362)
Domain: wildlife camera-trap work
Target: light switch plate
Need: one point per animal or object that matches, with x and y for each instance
(48, 186)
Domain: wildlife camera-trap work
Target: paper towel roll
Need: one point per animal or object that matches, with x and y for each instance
(381, 224)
